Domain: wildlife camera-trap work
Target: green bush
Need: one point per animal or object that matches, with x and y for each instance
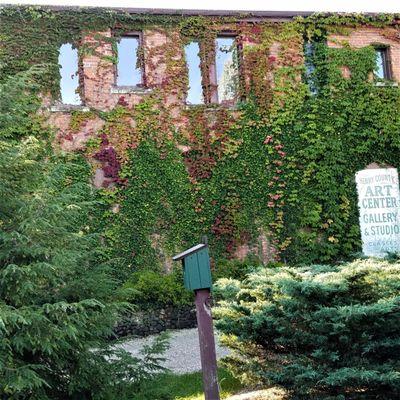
(235, 269)
(154, 290)
(320, 332)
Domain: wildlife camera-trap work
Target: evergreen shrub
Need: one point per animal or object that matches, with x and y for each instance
(318, 331)
(57, 306)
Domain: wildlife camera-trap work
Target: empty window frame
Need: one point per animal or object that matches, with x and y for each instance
(68, 61)
(195, 88)
(309, 65)
(226, 70)
(383, 69)
(129, 71)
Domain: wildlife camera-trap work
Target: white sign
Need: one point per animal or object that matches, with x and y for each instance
(379, 205)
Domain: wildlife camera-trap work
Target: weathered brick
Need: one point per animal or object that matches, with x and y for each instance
(164, 71)
(363, 37)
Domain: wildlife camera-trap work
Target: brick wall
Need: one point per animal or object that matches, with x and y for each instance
(372, 36)
(164, 66)
(165, 77)
(100, 91)
(165, 71)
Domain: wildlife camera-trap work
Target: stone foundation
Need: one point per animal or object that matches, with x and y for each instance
(144, 323)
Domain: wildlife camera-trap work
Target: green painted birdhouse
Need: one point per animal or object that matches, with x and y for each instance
(196, 267)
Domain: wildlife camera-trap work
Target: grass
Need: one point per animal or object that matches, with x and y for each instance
(185, 387)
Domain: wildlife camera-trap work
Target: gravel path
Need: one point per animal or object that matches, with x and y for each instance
(183, 355)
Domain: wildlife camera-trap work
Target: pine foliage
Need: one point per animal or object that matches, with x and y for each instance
(320, 332)
(56, 296)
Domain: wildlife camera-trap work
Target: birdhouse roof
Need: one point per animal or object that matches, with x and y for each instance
(190, 251)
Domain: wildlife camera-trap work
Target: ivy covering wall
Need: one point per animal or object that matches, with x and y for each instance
(282, 164)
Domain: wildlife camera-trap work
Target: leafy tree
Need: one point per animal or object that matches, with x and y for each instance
(320, 332)
(56, 296)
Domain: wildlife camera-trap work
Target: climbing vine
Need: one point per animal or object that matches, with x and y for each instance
(278, 167)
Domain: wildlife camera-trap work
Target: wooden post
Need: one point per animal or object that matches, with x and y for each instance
(197, 277)
(207, 344)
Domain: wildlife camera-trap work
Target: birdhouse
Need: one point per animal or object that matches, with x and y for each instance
(196, 267)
